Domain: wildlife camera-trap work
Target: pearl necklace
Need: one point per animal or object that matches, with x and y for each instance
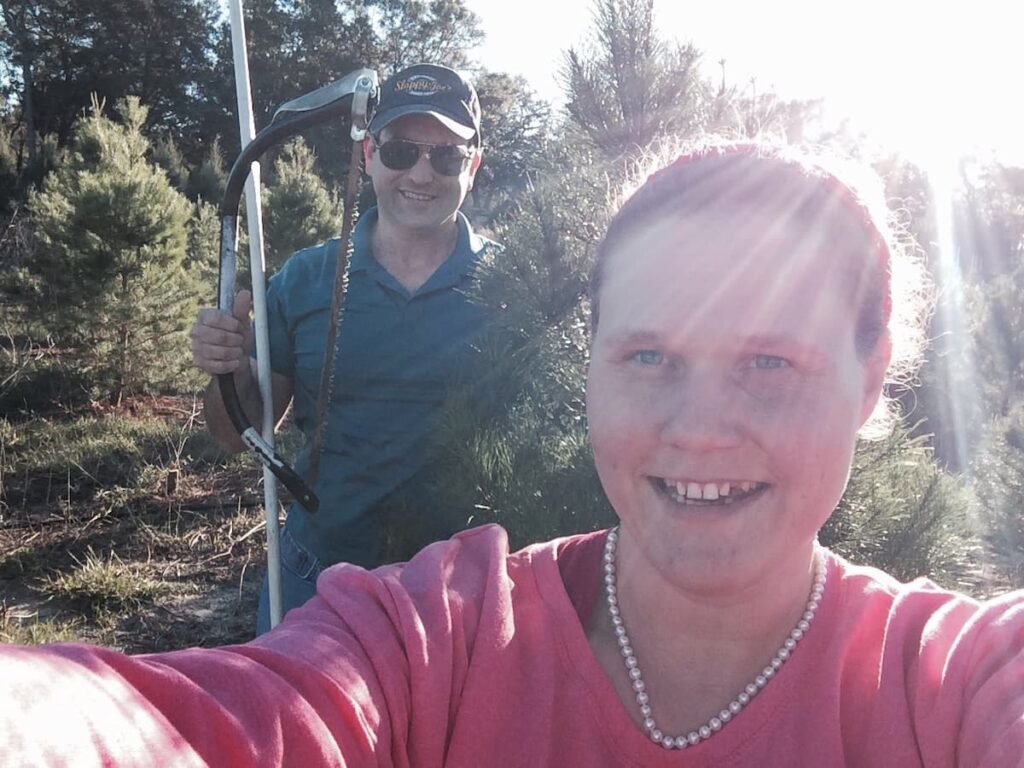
(716, 723)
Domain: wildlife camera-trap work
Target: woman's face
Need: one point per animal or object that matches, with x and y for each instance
(725, 393)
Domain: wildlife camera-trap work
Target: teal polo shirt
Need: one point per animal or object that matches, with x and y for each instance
(397, 355)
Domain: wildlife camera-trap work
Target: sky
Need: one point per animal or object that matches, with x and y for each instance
(937, 78)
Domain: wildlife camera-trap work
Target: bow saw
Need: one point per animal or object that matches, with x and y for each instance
(357, 94)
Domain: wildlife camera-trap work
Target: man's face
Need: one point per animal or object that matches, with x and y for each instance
(418, 199)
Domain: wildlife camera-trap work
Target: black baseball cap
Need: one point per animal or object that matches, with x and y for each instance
(430, 89)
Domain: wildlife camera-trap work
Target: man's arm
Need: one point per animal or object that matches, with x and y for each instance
(221, 344)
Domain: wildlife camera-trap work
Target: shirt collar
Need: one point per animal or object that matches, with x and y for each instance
(462, 260)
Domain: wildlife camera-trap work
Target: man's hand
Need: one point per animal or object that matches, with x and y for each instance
(220, 342)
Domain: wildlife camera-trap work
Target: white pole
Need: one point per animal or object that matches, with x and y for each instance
(259, 300)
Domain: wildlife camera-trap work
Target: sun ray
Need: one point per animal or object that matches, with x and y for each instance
(957, 366)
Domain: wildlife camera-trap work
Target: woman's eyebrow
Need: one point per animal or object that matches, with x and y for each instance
(631, 337)
(773, 340)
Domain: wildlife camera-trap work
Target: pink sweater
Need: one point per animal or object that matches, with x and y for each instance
(469, 656)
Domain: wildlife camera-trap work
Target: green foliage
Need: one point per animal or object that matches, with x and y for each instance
(202, 254)
(629, 91)
(19, 286)
(512, 445)
(207, 180)
(9, 172)
(997, 307)
(424, 30)
(998, 476)
(990, 219)
(902, 513)
(629, 88)
(514, 126)
(997, 314)
(299, 210)
(165, 154)
(66, 50)
(293, 48)
(37, 378)
(112, 237)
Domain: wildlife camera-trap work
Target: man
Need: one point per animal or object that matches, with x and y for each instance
(406, 330)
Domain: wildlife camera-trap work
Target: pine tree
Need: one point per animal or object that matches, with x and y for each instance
(299, 210)
(998, 349)
(202, 259)
(999, 484)
(902, 513)
(166, 155)
(9, 171)
(629, 88)
(998, 360)
(19, 287)
(424, 30)
(208, 179)
(512, 445)
(514, 127)
(112, 236)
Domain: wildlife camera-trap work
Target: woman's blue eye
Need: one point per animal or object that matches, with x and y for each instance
(649, 357)
(769, 362)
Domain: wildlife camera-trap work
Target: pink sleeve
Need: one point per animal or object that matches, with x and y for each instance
(335, 684)
(970, 700)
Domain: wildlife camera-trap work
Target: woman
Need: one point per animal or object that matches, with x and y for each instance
(744, 327)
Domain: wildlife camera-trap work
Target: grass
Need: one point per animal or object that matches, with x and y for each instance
(126, 527)
(58, 462)
(103, 584)
(36, 631)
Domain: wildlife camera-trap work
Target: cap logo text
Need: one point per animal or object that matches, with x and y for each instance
(421, 85)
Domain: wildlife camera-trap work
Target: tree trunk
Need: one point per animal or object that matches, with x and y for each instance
(23, 52)
(123, 335)
(28, 111)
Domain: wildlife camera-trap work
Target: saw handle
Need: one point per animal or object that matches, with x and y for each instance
(282, 471)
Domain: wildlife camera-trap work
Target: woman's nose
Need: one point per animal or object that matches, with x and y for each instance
(702, 412)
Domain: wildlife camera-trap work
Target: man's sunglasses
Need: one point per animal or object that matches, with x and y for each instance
(402, 154)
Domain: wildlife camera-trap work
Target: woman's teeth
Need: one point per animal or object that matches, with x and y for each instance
(723, 493)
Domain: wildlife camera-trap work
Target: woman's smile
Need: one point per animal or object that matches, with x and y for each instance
(707, 494)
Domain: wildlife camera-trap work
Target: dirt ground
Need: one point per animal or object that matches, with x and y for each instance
(174, 561)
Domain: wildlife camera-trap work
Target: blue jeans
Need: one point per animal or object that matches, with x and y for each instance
(299, 570)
